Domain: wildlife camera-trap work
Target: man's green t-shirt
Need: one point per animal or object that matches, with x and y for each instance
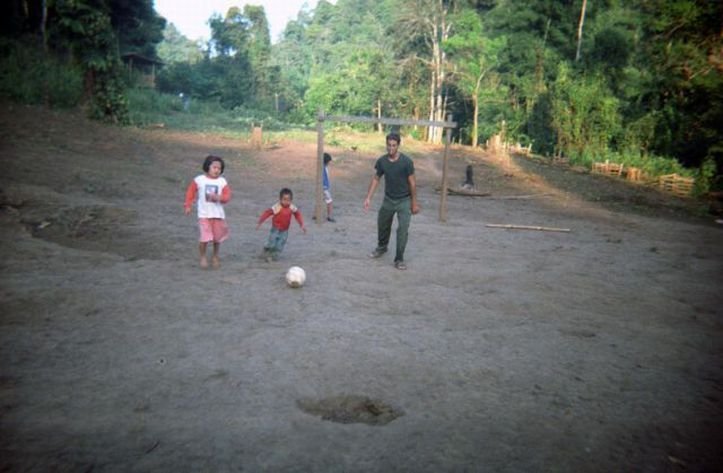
(396, 175)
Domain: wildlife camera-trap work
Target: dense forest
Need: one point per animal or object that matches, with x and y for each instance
(639, 82)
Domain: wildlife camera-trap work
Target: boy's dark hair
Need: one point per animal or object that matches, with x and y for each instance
(327, 158)
(286, 191)
(394, 137)
(210, 159)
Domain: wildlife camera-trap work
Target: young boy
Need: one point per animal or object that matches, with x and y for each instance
(280, 223)
(327, 188)
(210, 191)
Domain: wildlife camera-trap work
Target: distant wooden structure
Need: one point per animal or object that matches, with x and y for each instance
(636, 175)
(144, 66)
(607, 168)
(677, 185)
(257, 137)
(321, 118)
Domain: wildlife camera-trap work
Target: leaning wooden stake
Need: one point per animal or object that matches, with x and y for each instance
(445, 172)
(527, 227)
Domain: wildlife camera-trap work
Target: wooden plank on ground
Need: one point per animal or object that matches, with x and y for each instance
(526, 227)
(461, 191)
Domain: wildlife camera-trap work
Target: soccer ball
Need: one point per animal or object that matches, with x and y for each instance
(295, 276)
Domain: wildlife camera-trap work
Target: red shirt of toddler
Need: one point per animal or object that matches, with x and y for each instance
(282, 216)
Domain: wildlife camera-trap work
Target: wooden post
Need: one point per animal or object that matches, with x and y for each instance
(319, 166)
(257, 137)
(445, 169)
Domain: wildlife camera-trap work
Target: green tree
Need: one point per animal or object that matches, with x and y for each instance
(585, 115)
(427, 24)
(137, 26)
(681, 43)
(230, 39)
(259, 53)
(357, 88)
(176, 48)
(475, 57)
(88, 32)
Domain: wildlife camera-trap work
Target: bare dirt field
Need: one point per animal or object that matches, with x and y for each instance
(594, 350)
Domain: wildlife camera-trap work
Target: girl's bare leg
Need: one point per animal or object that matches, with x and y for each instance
(202, 252)
(215, 262)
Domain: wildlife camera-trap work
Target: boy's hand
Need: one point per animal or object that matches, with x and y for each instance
(187, 210)
(303, 229)
(258, 226)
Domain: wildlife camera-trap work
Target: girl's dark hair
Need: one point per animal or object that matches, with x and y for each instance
(286, 191)
(394, 137)
(210, 159)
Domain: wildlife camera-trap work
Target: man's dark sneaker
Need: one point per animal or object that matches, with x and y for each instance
(400, 265)
(331, 219)
(377, 253)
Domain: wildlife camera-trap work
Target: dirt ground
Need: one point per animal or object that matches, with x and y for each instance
(596, 350)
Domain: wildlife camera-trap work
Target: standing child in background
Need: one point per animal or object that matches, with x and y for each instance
(327, 188)
(210, 191)
(280, 223)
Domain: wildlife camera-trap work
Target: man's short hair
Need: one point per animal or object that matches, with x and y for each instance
(394, 137)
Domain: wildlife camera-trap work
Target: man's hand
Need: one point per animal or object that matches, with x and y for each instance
(415, 208)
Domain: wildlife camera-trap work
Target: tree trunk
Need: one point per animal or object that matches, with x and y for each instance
(379, 115)
(437, 33)
(579, 29)
(475, 120)
(43, 25)
(428, 19)
(44, 35)
(432, 83)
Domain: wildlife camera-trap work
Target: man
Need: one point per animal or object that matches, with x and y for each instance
(400, 197)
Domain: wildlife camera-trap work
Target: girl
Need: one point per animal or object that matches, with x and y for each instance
(210, 191)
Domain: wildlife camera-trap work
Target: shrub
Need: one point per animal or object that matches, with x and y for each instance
(27, 75)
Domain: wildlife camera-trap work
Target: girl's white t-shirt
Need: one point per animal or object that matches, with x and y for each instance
(206, 185)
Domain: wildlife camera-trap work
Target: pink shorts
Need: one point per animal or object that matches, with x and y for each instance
(212, 229)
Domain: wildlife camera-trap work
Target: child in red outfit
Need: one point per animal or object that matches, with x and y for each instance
(210, 191)
(280, 223)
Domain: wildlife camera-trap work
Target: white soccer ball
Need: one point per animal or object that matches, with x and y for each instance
(295, 276)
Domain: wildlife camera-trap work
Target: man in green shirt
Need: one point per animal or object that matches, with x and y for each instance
(400, 197)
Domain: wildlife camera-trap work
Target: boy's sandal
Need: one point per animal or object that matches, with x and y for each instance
(400, 265)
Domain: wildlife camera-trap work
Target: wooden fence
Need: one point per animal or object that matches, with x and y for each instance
(677, 185)
(671, 183)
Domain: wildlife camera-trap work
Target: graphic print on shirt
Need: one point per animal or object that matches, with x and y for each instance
(210, 189)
